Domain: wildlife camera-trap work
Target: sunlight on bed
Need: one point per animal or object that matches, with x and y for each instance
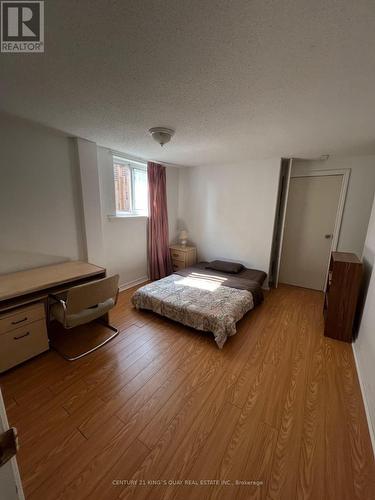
(201, 281)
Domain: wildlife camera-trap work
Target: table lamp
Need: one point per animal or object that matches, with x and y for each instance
(183, 237)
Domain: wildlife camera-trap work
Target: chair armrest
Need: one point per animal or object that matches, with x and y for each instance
(62, 303)
(56, 298)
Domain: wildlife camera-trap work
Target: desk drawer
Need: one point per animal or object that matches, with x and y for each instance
(22, 343)
(20, 317)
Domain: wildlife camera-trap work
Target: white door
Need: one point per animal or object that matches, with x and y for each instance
(309, 226)
(10, 482)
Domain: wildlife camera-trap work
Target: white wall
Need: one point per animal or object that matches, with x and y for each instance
(364, 346)
(125, 239)
(40, 200)
(229, 210)
(359, 196)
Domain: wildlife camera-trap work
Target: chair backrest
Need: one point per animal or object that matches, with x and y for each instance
(90, 294)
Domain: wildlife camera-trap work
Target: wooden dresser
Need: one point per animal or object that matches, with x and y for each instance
(342, 290)
(183, 256)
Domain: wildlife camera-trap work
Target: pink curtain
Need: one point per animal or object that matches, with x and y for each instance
(159, 259)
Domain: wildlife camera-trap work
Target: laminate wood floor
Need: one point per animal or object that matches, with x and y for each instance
(160, 411)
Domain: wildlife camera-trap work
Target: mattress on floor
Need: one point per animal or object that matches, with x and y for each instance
(203, 299)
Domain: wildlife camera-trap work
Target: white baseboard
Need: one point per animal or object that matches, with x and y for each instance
(369, 423)
(130, 284)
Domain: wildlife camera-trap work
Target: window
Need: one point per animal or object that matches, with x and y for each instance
(130, 186)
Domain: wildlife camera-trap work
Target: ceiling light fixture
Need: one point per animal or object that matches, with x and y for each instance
(162, 135)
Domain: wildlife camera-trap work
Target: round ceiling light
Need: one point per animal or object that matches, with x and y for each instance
(162, 135)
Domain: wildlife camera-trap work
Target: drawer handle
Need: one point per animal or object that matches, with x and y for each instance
(19, 321)
(175, 254)
(21, 336)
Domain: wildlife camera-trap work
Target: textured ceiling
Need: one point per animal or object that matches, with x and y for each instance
(236, 79)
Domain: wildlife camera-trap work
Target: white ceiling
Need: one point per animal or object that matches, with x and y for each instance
(236, 79)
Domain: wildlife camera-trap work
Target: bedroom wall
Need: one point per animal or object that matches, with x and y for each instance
(229, 210)
(364, 347)
(359, 196)
(56, 193)
(125, 239)
(40, 200)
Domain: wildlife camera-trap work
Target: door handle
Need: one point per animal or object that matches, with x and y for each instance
(328, 236)
(8, 445)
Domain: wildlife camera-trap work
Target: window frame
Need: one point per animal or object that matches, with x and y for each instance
(132, 165)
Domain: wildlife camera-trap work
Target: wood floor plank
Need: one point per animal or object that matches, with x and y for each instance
(33, 400)
(124, 467)
(285, 462)
(27, 376)
(257, 466)
(122, 363)
(363, 476)
(253, 409)
(279, 405)
(163, 453)
(337, 441)
(200, 380)
(142, 416)
(257, 354)
(39, 422)
(60, 404)
(243, 436)
(201, 450)
(159, 354)
(150, 380)
(311, 469)
(102, 465)
(123, 398)
(35, 445)
(52, 456)
(54, 485)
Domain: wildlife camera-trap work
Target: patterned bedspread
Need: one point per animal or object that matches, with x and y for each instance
(202, 303)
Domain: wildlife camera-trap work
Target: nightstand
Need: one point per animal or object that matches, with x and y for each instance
(183, 256)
